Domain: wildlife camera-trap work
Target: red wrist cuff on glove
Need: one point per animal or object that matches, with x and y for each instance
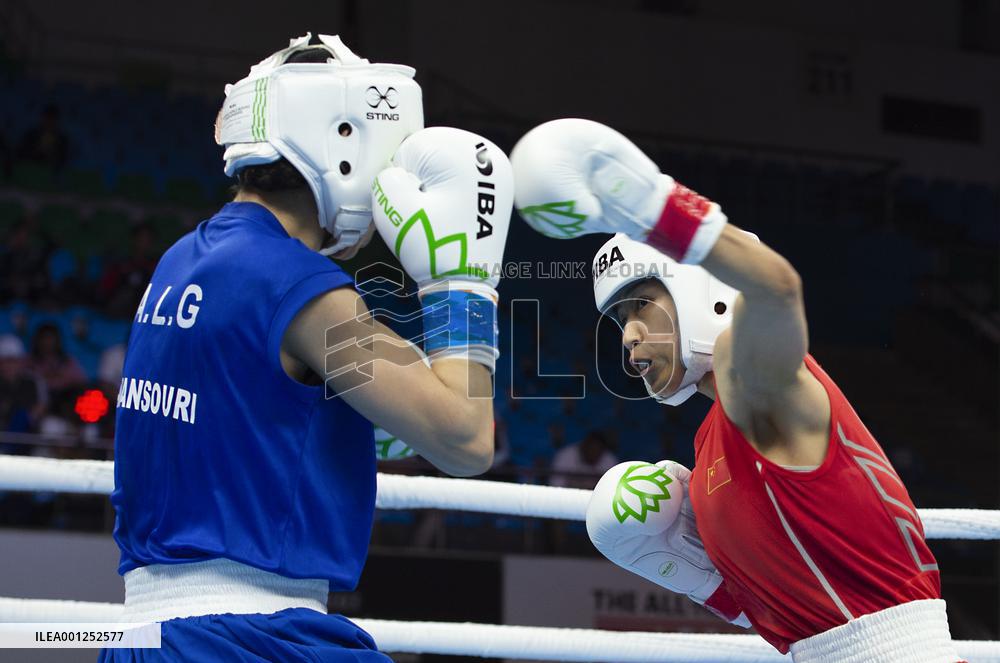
(722, 603)
(679, 221)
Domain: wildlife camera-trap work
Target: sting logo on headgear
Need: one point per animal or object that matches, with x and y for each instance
(374, 97)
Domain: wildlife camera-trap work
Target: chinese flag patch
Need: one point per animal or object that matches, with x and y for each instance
(717, 475)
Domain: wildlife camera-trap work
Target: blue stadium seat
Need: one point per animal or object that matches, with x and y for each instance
(396, 517)
(106, 332)
(981, 212)
(6, 324)
(911, 189)
(62, 266)
(945, 202)
(528, 441)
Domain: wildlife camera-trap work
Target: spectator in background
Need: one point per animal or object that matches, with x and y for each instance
(85, 347)
(501, 442)
(22, 263)
(59, 422)
(22, 396)
(46, 143)
(109, 377)
(577, 465)
(557, 435)
(580, 465)
(22, 402)
(109, 368)
(124, 282)
(19, 320)
(49, 359)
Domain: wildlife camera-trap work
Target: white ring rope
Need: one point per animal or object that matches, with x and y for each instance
(56, 612)
(406, 492)
(50, 474)
(396, 491)
(483, 640)
(510, 642)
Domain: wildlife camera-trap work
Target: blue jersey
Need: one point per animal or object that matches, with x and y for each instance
(218, 452)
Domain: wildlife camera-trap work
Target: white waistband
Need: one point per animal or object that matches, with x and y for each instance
(160, 592)
(914, 632)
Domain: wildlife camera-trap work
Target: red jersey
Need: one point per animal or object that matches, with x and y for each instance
(803, 552)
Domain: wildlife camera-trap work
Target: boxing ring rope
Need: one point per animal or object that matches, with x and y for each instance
(407, 492)
(483, 640)
(510, 642)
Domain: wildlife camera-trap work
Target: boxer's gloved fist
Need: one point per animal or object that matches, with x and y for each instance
(390, 447)
(443, 208)
(640, 519)
(574, 177)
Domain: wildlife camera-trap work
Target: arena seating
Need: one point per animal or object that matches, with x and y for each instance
(148, 157)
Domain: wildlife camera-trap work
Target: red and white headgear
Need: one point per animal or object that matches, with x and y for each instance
(704, 303)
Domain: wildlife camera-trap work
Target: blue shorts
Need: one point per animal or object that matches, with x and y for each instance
(296, 634)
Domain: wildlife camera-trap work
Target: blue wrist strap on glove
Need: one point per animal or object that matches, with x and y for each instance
(459, 323)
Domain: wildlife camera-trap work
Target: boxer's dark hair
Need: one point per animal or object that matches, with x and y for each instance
(279, 175)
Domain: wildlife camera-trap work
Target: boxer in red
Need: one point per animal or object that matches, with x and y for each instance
(793, 520)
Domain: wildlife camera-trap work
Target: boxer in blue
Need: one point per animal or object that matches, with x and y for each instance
(244, 458)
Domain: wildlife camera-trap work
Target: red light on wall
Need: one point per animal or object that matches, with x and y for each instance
(91, 406)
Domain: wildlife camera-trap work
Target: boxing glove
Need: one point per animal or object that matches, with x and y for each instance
(443, 208)
(390, 447)
(574, 177)
(639, 518)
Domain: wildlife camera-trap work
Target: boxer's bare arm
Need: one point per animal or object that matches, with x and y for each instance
(759, 371)
(430, 408)
(770, 309)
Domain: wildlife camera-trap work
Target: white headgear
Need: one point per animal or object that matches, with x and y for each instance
(704, 303)
(338, 123)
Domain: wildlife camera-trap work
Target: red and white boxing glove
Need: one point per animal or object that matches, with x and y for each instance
(573, 177)
(640, 519)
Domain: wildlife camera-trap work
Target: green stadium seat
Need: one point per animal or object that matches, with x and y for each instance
(111, 230)
(166, 227)
(88, 244)
(11, 211)
(86, 182)
(185, 191)
(33, 176)
(136, 186)
(60, 222)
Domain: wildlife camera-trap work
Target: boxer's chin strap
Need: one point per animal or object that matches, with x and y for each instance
(350, 226)
(700, 363)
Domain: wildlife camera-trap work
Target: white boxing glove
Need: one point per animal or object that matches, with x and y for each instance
(640, 519)
(390, 447)
(443, 208)
(573, 177)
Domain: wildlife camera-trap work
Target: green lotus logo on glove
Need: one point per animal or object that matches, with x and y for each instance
(558, 220)
(640, 491)
(391, 448)
(433, 244)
